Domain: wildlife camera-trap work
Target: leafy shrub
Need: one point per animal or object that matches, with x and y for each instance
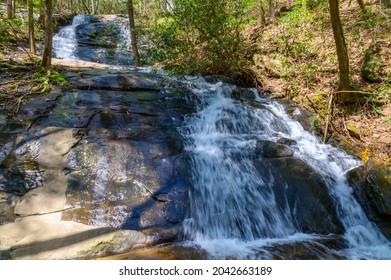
(200, 37)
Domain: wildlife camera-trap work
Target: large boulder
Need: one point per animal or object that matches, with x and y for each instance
(376, 66)
(299, 186)
(372, 188)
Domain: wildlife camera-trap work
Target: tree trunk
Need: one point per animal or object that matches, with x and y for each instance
(262, 18)
(362, 5)
(10, 13)
(133, 33)
(342, 53)
(272, 10)
(13, 7)
(47, 53)
(41, 18)
(86, 7)
(31, 26)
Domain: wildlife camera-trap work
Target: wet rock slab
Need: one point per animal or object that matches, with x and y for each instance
(298, 186)
(109, 163)
(115, 80)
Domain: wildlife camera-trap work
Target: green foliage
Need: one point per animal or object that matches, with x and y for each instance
(297, 17)
(4, 96)
(57, 79)
(16, 29)
(200, 37)
(6, 38)
(315, 122)
(369, 19)
(44, 81)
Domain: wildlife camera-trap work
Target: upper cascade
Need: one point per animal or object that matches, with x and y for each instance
(65, 41)
(102, 39)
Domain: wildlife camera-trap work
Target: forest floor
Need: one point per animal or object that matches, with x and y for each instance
(294, 58)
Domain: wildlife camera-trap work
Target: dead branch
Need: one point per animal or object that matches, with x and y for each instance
(329, 113)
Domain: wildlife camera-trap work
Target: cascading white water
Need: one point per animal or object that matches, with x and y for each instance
(219, 141)
(64, 42)
(125, 42)
(234, 212)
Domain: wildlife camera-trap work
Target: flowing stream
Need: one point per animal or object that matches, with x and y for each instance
(239, 206)
(234, 211)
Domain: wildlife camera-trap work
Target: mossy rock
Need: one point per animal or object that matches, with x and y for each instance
(375, 63)
(353, 131)
(379, 178)
(372, 188)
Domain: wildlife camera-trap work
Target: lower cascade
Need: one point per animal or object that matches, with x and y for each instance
(242, 207)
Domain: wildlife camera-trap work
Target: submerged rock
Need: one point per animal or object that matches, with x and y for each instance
(298, 186)
(269, 149)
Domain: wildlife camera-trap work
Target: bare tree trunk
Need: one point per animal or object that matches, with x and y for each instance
(86, 7)
(31, 26)
(41, 18)
(13, 7)
(47, 53)
(343, 59)
(92, 7)
(362, 5)
(262, 18)
(133, 33)
(10, 13)
(272, 10)
(97, 6)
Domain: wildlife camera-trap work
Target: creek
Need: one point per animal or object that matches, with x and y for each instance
(233, 172)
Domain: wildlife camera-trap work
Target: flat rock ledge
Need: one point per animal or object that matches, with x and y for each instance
(78, 64)
(46, 237)
(39, 233)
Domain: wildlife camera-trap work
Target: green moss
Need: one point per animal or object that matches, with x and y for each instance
(353, 131)
(371, 65)
(99, 248)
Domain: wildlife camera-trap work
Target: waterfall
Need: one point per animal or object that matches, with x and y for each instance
(65, 41)
(364, 239)
(233, 210)
(103, 39)
(236, 210)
